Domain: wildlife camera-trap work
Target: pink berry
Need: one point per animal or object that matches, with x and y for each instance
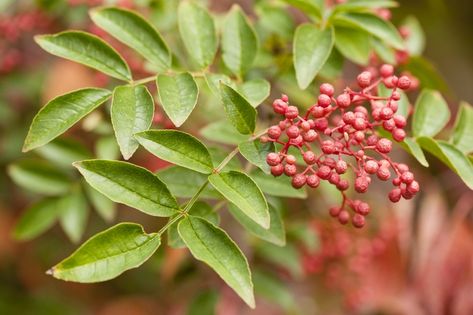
(273, 159)
(349, 117)
(334, 211)
(401, 167)
(310, 136)
(305, 126)
(395, 195)
(310, 157)
(400, 121)
(318, 111)
(386, 70)
(388, 82)
(297, 141)
(358, 221)
(384, 145)
(324, 172)
(341, 167)
(389, 124)
(407, 177)
(293, 132)
(298, 181)
(399, 134)
(334, 178)
(324, 100)
(279, 106)
(343, 100)
(396, 96)
(343, 217)
(284, 98)
(290, 159)
(291, 112)
(342, 185)
(327, 88)
(413, 187)
(386, 113)
(328, 147)
(359, 136)
(321, 124)
(274, 132)
(361, 184)
(372, 140)
(359, 124)
(363, 208)
(290, 169)
(364, 79)
(404, 82)
(371, 167)
(383, 173)
(277, 170)
(313, 181)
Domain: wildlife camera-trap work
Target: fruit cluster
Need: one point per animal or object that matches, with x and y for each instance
(333, 138)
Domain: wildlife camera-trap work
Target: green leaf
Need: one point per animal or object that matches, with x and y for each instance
(277, 186)
(177, 147)
(106, 148)
(88, 50)
(219, 154)
(240, 113)
(255, 91)
(132, 112)
(372, 24)
(287, 257)
(223, 132)
(415, 41)
(130, 185)
(356, 5)
(451, 156)
(239, 42)
(241, 190)
(213, 246)
(213, 82)
(427, 73)
(108, 254)
(306, 6)
(39, 177)
(197, 30)
(255, 152)
(332, 68)
(134, 31)
(105, 207)
(311, 49)
(431, 114)
(353, 44)
(64, 151)
(199, 209)
(37, 219)
(184, 183)
(204, 303)
(403, 103)
(74, 213)
(462, 136)
(274, 291)
(386, 53)
(61, 113)
(275, 234)
(415, 150)
(178, 96)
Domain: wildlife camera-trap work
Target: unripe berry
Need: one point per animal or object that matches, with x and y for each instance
(328, 147)
(359, 124)
(329, 162)
(263, 139)
(383, 173)
(342, 185)
(310, 157)
(311, 123)
(363, 208)
(298, 181)
(388, 82)
(359, 136)
(291, 112)
(327, 88)
(334, 178)
(364, 79)
(360, 114)
(321, 124)
(386, 113)
(273, 159)
(401, 167)
(386, 70)
(324, 172)
(406, 194)
(313, 181)
(389, 124)
(394, 80)
(394, 106)
(360, 153)
(290, 159)
(341, 167)
(349, 117)
(384, 145)
(343, 217)
(396, 96)
(324, 100)
(372, 140)
(285, 98)
(358, 221)
(293, 132)
(399, 134)
(305, 126)
(384, 163)
(395, 195)
(407, 177)
(413, 187)
(376, 114)
(297, 141)
(277, 170)
(361, 184)
(318, 111)
(396, 181)
(274, 132)
(343, 100)
(279, 106)
(290, 170)
(371, 167)
(400, 121)
(334, 211)
(283, 125)
(310, 136)
(404, 82)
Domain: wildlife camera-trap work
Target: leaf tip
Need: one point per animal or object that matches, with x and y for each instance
(50, 271)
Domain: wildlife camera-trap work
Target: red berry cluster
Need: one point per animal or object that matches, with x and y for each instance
(333, 138)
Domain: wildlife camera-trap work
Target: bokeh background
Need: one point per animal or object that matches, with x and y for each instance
(419, 260)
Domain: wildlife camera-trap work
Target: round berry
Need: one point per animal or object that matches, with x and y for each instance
(343, 100)
(342, 185)
(283, 124)
(386, 70)
(334, 211)
(313, 181)
(395, 195)
(310, 157)
(401, 167)
(359, 124)
(321, 124)
(358, 221)
(349, 118)
(359, 136)
(327, 88)
(293, 132)
(372, 140)
(404, 82)
(371, 167)
(389, 124)
(284, 98)
(334, 178)
(343, 217)
(279, 106)
(305, 126)
(396, 96)
(364, 79)
(400, 121)
(341, 167)
(399, 134)
(396, 181)
(361, 184)
(298, 181)
(324, 100)
(383, 173)
(363, 208)
(290, 159)
(310, 135)
(324, 172)
(394, 106)
(360, 153)
(318, 111)
(273, 159)
(263, 139)
(413, 187)
(277, 170)
(384, 145)
(407, 177)
(328, 147)
(297, 141)
(290, 169)
(291, 112)
(388, 82)
(386, 113)
(274, 132)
